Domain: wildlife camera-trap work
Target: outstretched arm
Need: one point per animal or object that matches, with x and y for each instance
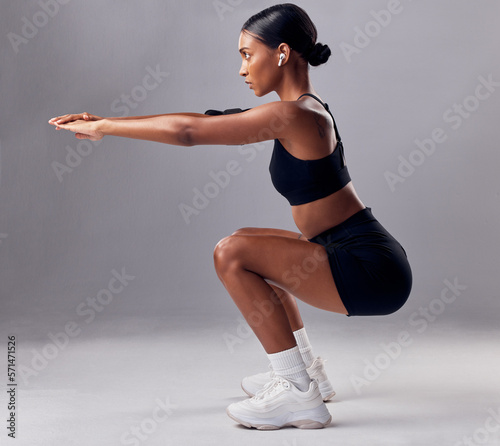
(64, 119)
(269, 121)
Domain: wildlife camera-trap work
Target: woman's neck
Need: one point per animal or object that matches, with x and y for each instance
(294, 84)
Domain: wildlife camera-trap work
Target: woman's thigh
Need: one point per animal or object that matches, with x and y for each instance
(270, 231)
(299, 267)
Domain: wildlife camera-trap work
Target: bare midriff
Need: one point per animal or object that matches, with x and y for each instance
(316, 217)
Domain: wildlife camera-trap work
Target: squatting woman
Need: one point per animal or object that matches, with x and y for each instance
(360, 269)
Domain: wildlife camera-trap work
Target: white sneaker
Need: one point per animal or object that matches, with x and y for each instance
(253, 384)
(281, 404)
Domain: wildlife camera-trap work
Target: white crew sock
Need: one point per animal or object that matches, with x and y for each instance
(304, 346)
(290, 365)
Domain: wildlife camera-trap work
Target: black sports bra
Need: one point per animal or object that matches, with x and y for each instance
(302, 181)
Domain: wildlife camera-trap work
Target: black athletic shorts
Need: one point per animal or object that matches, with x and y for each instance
(369, 266)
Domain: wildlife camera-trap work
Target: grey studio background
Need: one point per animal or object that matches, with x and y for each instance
(124, 335)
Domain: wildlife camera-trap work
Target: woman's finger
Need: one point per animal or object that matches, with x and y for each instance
(68, 126)
(57, 118)
(70, 118)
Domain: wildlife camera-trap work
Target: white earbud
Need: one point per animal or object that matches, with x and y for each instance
(282, 57)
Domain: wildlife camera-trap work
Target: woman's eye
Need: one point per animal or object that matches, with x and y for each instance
(247, 56)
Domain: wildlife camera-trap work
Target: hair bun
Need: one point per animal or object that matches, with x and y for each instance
(319, 54)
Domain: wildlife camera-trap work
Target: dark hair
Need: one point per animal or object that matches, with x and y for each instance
(290, 24)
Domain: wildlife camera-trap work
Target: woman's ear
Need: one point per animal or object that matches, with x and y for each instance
(284, 51)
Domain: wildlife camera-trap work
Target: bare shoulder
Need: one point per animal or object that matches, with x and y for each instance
(293, 116)
(311, 134)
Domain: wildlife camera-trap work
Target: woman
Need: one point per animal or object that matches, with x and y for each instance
(343, 260)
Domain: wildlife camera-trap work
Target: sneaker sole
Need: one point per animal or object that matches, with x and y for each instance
(301, 424)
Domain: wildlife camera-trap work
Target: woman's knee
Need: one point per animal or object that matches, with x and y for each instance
(227, 254)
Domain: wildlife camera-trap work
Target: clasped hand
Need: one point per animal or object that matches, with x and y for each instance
(84, 125)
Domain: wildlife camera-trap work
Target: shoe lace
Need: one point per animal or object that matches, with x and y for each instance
(276, 385)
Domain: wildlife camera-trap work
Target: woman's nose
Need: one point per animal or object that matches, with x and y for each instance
(243, 69)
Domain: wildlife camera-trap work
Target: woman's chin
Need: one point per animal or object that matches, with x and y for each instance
(259, 93)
